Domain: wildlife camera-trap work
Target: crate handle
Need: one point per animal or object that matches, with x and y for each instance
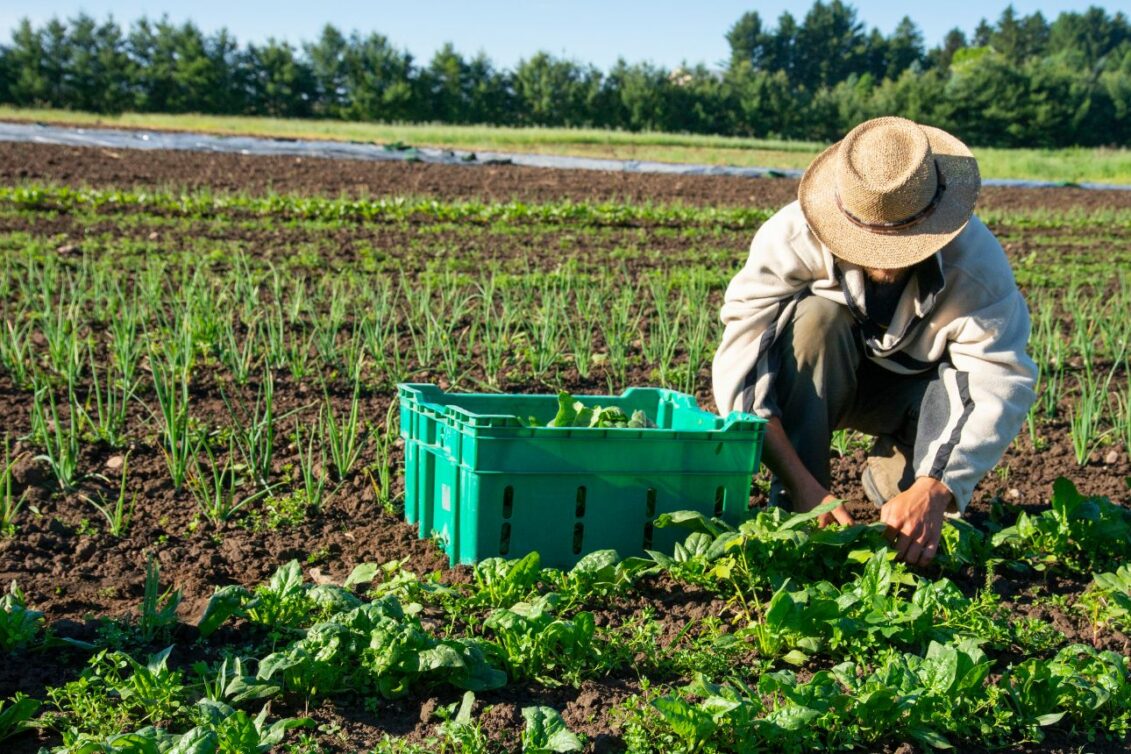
(742, 417)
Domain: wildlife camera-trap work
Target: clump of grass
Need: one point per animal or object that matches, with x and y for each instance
(10, 504)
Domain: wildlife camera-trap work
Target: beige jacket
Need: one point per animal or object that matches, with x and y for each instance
(964, 319)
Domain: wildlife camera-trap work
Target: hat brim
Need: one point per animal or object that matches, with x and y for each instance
(905, 247)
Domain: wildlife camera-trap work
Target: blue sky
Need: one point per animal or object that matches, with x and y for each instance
(661, 31)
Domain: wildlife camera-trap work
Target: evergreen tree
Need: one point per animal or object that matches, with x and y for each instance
(327, 59)
(1018, 81)
(904, 49)
(747, 41)
(279, 84)
(379, 80)
(28, 84)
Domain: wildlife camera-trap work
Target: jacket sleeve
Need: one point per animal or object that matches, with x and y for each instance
(757, 300)
(976, 407)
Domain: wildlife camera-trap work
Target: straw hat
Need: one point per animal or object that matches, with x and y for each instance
(891, 193)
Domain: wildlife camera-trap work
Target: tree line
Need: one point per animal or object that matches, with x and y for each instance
(1019, 81)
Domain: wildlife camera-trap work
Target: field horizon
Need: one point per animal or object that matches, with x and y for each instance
(1072, 165)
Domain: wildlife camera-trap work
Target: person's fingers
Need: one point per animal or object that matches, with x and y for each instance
(886, 512)
(902, 543)
(888, 518)
(843, 516)
(824, 520)
(929, 553)
(914, 551)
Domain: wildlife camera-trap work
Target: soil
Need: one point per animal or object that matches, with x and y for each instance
(21, 162)
(79, 575)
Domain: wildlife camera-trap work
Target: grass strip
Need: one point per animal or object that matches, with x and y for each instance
(1069, 165)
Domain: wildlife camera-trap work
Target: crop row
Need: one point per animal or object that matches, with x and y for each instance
(895, 654)
(399, 209)
(92, 349)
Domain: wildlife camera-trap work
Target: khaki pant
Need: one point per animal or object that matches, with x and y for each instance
(824, 382)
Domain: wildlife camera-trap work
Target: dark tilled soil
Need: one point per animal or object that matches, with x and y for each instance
(21, 162)
(78, 575)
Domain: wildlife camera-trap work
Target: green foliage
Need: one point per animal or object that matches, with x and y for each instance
(114, 693)
(158, 612)
(10, 504)
(1019, 81)
(500, 582)
(599, 575)
(284, 604)
(546, 732)
(573, 413)
(16, 714)
(1108, 599)
(871, 612)
(1090, 687)
(534, 643)
(377, 648)
(18, 625)
(932, 698)
(767, 549)
(219, 729)
(1077, 533)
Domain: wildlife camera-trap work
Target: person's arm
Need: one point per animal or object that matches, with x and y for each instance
(983, 395)
(803, 488)
(783, 261)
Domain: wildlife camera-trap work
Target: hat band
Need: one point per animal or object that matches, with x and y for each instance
(897, 225)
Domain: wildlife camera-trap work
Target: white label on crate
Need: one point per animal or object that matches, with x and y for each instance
(446, 497)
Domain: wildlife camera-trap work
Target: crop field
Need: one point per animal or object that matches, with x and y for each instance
(202, 543)
(1070, 164)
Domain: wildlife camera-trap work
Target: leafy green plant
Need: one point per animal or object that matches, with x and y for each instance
(114, 693)
(772, 546)
(18, 625)
(533, 643)
(500, 582)
(1078, 533)
(284, 604)
(221, 728)
(546, 733)
(232, 682)
(598, 575)
(16, 714)
(574, 413)
(1108, 599)
(376, 648)
(871, 611)
(458, 732)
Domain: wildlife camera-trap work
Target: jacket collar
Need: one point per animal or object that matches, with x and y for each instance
(917, 302)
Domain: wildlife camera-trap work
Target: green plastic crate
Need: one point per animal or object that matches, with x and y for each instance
(489, 486)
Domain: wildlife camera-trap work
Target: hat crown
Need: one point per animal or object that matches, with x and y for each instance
(885, 172)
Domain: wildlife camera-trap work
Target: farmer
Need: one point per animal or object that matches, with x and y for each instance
(877, 301)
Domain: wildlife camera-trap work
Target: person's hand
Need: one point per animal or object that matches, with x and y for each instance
(838, 514)
(914, 520)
